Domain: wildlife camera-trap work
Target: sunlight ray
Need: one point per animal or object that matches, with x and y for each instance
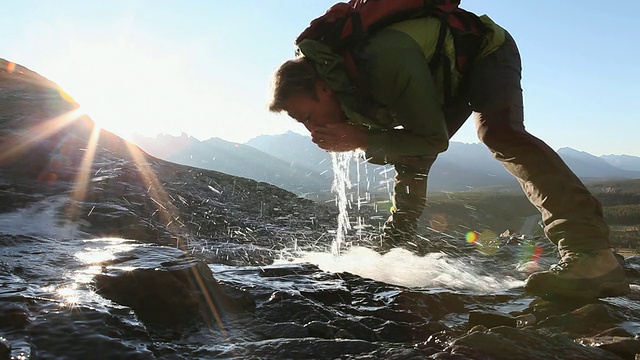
(22, 141)
(155, 189)
(82, 176)
(167, 213)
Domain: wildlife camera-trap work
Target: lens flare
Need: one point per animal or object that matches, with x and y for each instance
(440, 222)
(530, 255)
(486, 242)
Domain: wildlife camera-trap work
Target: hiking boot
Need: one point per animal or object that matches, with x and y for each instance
(588, 274)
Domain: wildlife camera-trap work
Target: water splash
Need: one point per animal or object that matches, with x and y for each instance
(401, 267)
(41, 219)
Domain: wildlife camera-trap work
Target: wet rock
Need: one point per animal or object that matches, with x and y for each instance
(164, 285)
(301, 349)
(523, 344)
(632, 266)
(355, 329)
(422, 332)
(278, 296)
(292, 307)
(237, 254)
(394, 315)
(5, 349)
(441, 339)
(625, 347)
(431, 306)
(616, 332)
(13, 315)
(395, 332)
(329, 296)
(321, 329)
(289, 270)
(287, 330)
(398, 353)
(491, 319)
(587, 320)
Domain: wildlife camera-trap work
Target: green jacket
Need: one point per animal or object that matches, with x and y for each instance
(404, 104)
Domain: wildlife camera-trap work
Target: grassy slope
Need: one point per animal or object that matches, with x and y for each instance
(500, 209)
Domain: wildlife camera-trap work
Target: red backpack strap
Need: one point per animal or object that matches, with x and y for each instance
(328, 27)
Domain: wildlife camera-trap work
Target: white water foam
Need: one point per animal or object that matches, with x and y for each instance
(401, 267)
(41, 219)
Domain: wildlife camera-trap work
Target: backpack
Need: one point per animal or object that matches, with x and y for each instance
(345, 26)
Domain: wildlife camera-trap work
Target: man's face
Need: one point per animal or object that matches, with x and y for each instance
(314, 113)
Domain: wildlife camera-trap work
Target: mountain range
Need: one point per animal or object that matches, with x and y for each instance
(291, 161)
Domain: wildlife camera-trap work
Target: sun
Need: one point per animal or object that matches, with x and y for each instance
(98, 94)
(125, 89)
(103, 114)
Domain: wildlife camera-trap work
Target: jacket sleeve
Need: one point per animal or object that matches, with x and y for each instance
(399, 79)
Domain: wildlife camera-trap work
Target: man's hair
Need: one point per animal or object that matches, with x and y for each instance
(295, 77)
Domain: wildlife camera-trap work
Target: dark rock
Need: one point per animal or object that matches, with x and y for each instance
(306, 348)
(13, 315)
(616, 332)
(5, 349)
(523, 344)
(278, 296)
(450, 356)
(394, 315)
(356, 329)
(395, 332)
(441, 339)
(398, 353)
(587, 320)
(282, 330)
(625, 347)
(632, 266)
(422, 331)
(477, 328)
(238, 298)
(491, 319)
(432, 306)
(287, 270)
(329, 296)
(294, 308)
(321, 329)
(167, 287)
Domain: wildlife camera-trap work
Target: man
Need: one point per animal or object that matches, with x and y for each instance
(400, 115)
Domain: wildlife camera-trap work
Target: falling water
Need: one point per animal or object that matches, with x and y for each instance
(341, 183)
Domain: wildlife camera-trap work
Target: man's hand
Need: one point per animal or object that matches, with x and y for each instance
(340, 137)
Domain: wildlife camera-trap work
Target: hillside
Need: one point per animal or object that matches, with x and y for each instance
(625, 162)
(236, 159)
(457, 213)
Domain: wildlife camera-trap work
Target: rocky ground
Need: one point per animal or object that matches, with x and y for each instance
(107, 252)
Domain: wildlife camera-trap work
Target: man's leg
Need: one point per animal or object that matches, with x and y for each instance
(410, 187)
(409, 197)
(572, 217)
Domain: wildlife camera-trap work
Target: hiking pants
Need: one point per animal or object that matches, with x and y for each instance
(572, 216)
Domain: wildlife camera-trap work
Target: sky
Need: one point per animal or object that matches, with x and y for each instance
(204, 67)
